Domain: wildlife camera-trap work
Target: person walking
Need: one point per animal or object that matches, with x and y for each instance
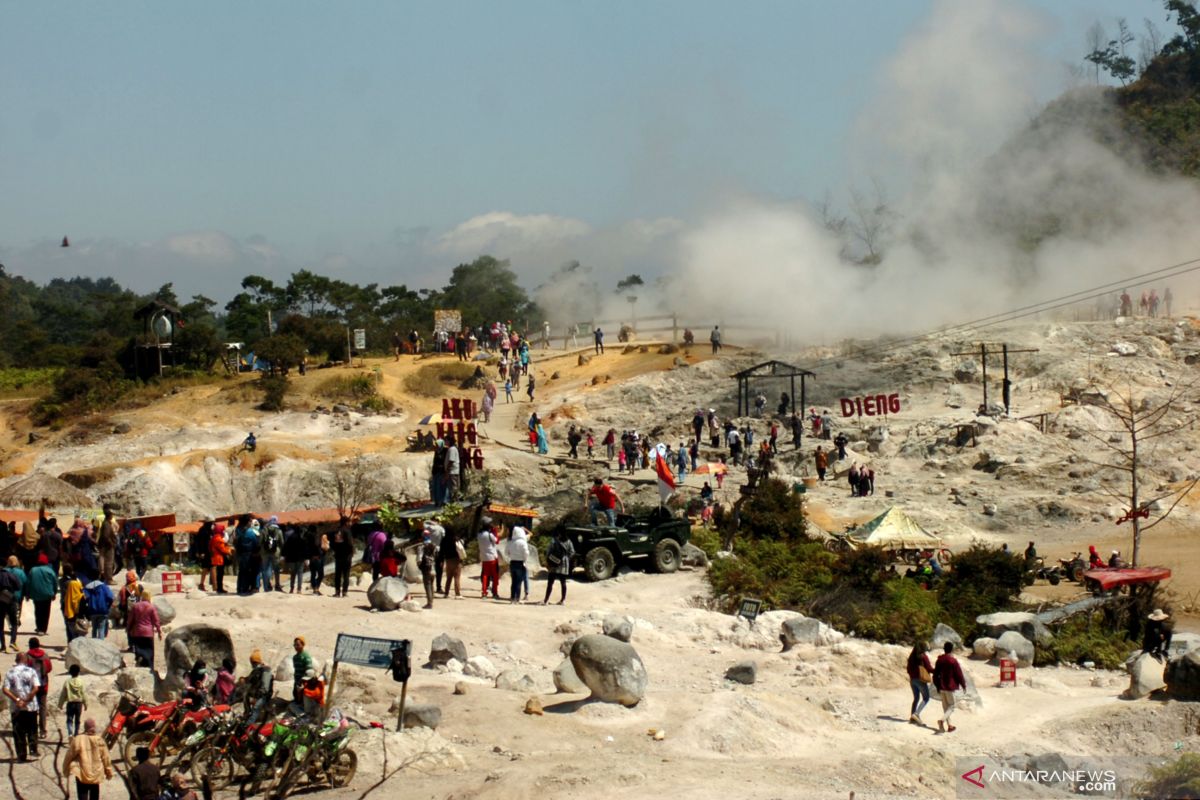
(144, 778)
(10, 600)
(294, 555)
(21, 687)
(453, 463)
(558, 565)
(143, 625)
(71, 605)
(920, 673)
(98, 599)
(598, 336)
(948, 678)
(714, 339)
(529, 386)
(840, 441)
(426, 559)
(822, 461)
(74, 697)
(489, 556)
(452, 552)
(87, 762)
(106, 546)
(517, 550)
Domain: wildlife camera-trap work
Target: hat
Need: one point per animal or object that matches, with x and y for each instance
(1157, 615)
(1116, 552)
(486, 520)
(273, 520)
(312, 673)
(256, 657)
(209, 518)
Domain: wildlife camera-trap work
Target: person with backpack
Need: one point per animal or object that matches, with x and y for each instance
(97, 602)
(201, 551)
(271, 538)
(558, 563)
(39, 661)
(10, 599)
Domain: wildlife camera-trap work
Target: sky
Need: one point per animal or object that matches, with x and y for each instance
(385, 142)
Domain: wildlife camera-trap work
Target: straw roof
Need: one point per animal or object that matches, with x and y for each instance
(894, 528)
(32, 491)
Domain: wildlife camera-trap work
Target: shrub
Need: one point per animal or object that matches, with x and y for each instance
(707, 540)
(274, 388)
(433, 380)
(906, 613)
(1079, 639)
(361, 389)
(983, 580)
(772, 512)
(1179, 780)
(281, 350)
(781, 574)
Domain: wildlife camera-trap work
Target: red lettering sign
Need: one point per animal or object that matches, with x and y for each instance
(870, 405)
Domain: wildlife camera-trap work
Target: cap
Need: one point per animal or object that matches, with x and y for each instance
(312, 673)
(256, 657)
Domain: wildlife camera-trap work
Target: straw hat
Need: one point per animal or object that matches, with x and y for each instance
(1158, 615)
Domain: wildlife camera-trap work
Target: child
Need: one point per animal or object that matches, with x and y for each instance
(591, 442)
(721, 474)
(621, 460)
(224, 686)
(507, 390)
(73, 696)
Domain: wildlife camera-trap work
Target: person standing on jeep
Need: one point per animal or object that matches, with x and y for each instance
(558, 563)
(604, 499)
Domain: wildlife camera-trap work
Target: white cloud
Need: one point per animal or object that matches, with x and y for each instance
(502, 232)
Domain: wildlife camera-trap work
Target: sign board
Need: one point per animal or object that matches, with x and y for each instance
(447, 320)
(365, 651)
(181, 542)
(360, 339)
(750, 608)
(872, 405)
(172, 583)
(1008, 671)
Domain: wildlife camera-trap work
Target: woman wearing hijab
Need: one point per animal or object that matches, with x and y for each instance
(543, 446)
(29, 545)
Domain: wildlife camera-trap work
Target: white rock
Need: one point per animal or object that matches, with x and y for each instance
(480, 667)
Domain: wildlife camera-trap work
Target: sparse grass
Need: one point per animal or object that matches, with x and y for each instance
(27, 381)
(1180, 779)
(1076, 641)
(436, 379)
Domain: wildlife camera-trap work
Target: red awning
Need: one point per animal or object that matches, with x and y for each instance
(1112, 578)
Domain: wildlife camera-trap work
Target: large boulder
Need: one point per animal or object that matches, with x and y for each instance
(618, 627)
(565, 679)
(1015, 647)
(1183, 643)
(446, 647)
(693, 556)
(419, 715)
(805, 630)
(984, 648)
(1145, 676)
(610, 668)
(166, 611)
(386, 594)
(285, 671)
(1183, 677)
(198, 640)
(94, 656)
(944, 633)
(1023, 622)
(743, 672)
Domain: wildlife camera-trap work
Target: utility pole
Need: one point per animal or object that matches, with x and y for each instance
(1006, 386)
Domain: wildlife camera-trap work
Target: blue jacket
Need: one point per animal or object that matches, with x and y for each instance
(42, 583)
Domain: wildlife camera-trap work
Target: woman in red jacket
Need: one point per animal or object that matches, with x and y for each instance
(219, 550)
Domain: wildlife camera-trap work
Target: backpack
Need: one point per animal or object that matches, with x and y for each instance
(94, 602)
(271, 540)
(39, 666)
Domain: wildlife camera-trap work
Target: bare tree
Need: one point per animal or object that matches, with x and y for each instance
(1149, 46)
(351, 485)
(1096, 39)
(1141, 426)
(870, 221)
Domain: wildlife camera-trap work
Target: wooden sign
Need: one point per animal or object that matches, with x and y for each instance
(750, 608)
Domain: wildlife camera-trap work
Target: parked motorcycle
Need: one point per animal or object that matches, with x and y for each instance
(1052, 574)
(1074, 567)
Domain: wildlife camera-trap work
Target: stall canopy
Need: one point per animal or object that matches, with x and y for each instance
(894, 528)
(308, 516)
(41, 488)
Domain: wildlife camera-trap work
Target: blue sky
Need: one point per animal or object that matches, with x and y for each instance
(197, 142)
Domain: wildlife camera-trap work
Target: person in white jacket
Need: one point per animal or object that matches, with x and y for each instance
(518, 553)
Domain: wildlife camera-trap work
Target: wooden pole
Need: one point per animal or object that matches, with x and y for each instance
(403, 700)
(329, 691)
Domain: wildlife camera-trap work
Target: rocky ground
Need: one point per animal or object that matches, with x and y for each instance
(819, 721)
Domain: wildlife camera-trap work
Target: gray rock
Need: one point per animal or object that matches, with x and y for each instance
(618, 627)
(480, 667)
(420, 715)
(693, 556)
(285, 671)
(166, 611)
(198, 640)
(1023, 622)
(1015, 647)
(386, 594)
(743, 672)
(1145, 676)
(984, 648)
(1183, 643)
(1183, 677)
(446, 647)
(566, 681)
(610, 668)
(94, 656)
(137, 681)
(513, 681)
(804, 630)
(944, 633)
(1052, 764)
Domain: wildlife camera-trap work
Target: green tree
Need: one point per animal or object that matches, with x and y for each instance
(487, 290)
(282, 350)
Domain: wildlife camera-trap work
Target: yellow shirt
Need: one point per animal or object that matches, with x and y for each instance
(71, 598)
(87, 759)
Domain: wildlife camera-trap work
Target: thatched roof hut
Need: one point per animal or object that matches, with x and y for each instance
(40, 488)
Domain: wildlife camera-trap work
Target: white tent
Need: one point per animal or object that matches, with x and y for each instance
(894, 529)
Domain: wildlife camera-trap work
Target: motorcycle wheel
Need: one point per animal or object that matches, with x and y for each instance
(343, 768)
(132, 743)
(1077, 571)
(1054, 579)
(214, 764)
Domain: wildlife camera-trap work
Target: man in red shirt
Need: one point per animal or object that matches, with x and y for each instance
(948, 678)
(604, 499)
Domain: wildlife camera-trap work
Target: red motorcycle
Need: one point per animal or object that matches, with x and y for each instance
(140, 722)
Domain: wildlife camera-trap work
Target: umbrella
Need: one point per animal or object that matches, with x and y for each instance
(712, 468)
(39, 487)
(434, 419)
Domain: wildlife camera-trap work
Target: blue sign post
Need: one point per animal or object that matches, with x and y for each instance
(368, 651)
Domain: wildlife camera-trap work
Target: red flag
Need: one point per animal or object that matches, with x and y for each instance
(666, 478)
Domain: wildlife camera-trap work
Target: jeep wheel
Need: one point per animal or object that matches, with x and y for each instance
(598, 564)
(667, 555)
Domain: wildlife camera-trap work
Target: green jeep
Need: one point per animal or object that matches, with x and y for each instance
(659, 537)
